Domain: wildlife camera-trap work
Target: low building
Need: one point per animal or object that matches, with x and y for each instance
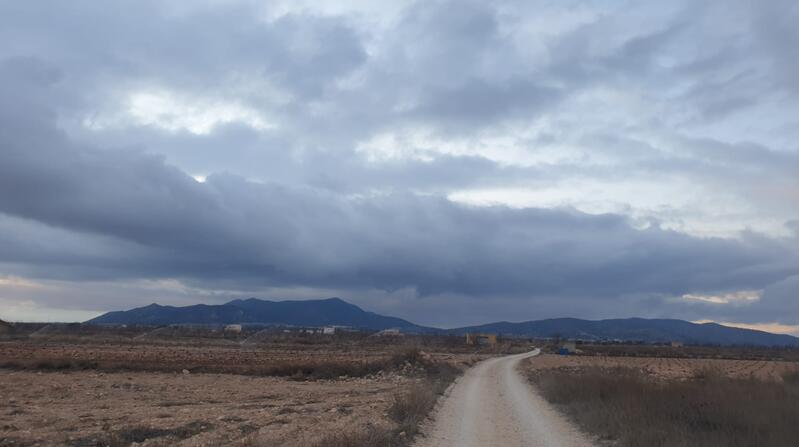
(233, 328)
(393, 332)
(481, 339)
(676, 344)
(5, 328)
(567, 347)
(329, 330)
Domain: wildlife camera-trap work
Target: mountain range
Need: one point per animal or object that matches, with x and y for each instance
(310, 313)
(337, 312)
(636, 329)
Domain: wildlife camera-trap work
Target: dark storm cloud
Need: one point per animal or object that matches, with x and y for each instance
(162, 223)
(679, 93)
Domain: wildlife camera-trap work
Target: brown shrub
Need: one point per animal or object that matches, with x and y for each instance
(791, 378)
(303, 369)
(369, 437)
(631, 409)
(409, 408)
(138, 434)
(411, 355)
(707, 372)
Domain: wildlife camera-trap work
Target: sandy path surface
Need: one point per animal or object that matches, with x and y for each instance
(492, 405)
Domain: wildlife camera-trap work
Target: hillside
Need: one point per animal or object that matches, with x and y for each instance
(636, 329)
(331, 311)
(337, 312)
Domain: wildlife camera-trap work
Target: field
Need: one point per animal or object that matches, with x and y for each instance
(316, 391)
(670, 368)
(674, 402)
(87, 408)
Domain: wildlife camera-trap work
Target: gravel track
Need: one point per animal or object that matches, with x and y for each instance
(492, 405)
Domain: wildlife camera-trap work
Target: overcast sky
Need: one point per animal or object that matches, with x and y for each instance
(446, 162)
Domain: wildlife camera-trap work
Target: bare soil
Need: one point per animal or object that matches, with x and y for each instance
(84, 394)
(82, 408)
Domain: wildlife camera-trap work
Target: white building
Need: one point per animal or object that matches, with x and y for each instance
(233, 328)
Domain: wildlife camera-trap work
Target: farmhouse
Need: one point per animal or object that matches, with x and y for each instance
(393, 332)
(233, 328)
(481, 339)
(567, 347)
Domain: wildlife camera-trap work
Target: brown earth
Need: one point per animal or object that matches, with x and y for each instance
(229, 359)
(352, 358)
(54, 392)
(669, 368)
(79, 408)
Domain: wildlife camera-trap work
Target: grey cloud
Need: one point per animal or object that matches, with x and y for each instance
(297, 205)
(477, 103)
(220, 49)
(228, 228)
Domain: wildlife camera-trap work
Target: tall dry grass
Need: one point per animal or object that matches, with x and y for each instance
(409, 408)
(631, 409)
(297, 369)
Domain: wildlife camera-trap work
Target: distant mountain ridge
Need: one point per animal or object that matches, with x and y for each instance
(337, 312)
(636, 329)
(307, 313)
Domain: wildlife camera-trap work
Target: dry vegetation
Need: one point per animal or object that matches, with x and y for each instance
(691, 352)
(671, 368)
(297, 361)
(191, 391)
(627, 401)
(408, 410)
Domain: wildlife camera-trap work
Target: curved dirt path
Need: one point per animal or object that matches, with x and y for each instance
(492, 405)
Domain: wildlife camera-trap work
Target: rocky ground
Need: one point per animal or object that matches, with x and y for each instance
(91, 392)
(87, 408)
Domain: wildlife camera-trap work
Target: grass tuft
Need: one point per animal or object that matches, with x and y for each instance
(628, 408)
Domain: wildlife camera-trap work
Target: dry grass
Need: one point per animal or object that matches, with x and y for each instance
(138, 434)
(689, 352)
(300, 369)
(368, 437)
(407, 411)
(410, 408)
(628, 408)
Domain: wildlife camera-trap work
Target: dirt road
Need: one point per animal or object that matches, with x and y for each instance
(492, 405)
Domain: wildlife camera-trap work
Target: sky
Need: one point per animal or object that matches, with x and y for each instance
(448, 162)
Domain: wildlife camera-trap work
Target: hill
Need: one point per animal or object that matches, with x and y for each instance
(337, 312)
(636, 329)
(307, 313)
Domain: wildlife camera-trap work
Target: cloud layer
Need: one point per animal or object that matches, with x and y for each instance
(560, 159)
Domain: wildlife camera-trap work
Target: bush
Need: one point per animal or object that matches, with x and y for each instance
(408, 409)
(791, 378)
(369, 437)
(138, 434)
(631, 409)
